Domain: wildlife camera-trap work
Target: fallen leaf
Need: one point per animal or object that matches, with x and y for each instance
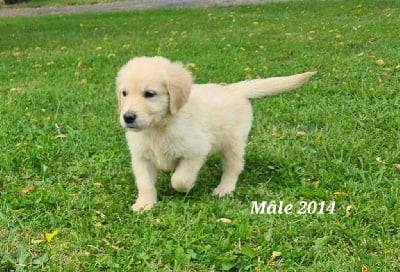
(108, 243)
(16, 89)
(224, 220)
(340, 193)
(102, 215)
(28, 189)
(80, 64)
(59, 136)
(19, 145)
(380, 160)
(114, 247)
(348, 210)
(319, 137)
(190, 65)
(59, 125)
(314, 180)
(274, 255)
(364, 268)
(397, 165)
(51, 235)
(98, 184)
(16, 54)
(380, 62)
(99, 224)
(35, 242)
(17, 211)
(300, 133)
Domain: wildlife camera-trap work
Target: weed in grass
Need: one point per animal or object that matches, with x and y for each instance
(59, 133)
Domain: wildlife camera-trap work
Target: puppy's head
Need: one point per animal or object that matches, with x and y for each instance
(149, 89)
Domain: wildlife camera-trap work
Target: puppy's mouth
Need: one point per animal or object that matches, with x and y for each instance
(134, 128)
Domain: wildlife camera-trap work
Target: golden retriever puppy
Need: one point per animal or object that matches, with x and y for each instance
(173, 124)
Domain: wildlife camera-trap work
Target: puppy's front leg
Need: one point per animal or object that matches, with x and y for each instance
(186, 173)
(145, 178)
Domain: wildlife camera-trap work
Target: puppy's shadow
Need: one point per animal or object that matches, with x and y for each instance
(261, 169)
(269, 173)
(261, 176)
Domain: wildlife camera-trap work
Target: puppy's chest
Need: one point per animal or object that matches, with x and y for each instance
(163, 151)
(162, 154)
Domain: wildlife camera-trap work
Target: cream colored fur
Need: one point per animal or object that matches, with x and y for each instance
(172, 124)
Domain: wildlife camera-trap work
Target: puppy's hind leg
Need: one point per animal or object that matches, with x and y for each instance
(233, 163)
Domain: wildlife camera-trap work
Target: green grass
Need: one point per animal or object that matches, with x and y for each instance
(59, 132)
(41, 3)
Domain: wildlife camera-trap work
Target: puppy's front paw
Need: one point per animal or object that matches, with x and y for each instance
(223, 190)
(142, 205)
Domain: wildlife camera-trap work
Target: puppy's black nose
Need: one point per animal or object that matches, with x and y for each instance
(129, 117)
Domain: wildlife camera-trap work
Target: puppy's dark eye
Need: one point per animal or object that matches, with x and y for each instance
(124, 93)
(149, 94)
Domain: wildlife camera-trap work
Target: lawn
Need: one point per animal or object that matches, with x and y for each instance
(41, 3)
(65, 179)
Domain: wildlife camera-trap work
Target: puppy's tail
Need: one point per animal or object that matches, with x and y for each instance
(270, 86)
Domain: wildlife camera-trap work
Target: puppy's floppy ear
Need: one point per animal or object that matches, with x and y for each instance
(117, 86)
(118, 111)
(179, 84)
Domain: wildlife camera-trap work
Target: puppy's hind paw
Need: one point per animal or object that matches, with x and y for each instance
(223, 190)
(140, 206)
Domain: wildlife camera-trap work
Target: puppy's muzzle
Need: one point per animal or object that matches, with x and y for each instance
(129, 118)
